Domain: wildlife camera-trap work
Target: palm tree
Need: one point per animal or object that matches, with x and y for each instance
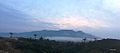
(84, 40)
(11, 35)
(35, 36)
(95, 39)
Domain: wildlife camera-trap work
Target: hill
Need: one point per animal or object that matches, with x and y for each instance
(53, 33)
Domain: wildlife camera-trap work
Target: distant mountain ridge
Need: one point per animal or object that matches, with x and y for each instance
(54, 33)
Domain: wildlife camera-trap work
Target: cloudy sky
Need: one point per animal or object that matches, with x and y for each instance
(98, 17)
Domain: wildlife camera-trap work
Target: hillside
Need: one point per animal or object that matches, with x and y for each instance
(53, 33)
(27, 45)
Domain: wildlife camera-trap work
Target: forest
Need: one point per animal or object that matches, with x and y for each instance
(41, 45)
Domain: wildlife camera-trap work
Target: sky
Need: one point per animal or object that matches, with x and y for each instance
(97, 17)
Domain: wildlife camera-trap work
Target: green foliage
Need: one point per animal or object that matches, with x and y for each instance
(27, 45)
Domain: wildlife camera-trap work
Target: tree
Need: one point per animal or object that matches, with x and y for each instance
(95, 39)
(41, 38)
(84, 40)
(11, 35)
(35, 36)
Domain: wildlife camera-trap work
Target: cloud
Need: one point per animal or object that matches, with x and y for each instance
(80, 23)
(112, 5)
(73, 22)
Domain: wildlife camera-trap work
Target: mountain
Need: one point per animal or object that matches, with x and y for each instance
(54, 33)
(59, 33)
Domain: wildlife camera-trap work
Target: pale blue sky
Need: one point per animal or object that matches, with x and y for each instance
(98, 17)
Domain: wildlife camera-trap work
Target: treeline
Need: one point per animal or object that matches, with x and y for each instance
(28, 45)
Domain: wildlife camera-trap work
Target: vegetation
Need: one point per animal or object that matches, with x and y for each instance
(28, 45)
(11, 34)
